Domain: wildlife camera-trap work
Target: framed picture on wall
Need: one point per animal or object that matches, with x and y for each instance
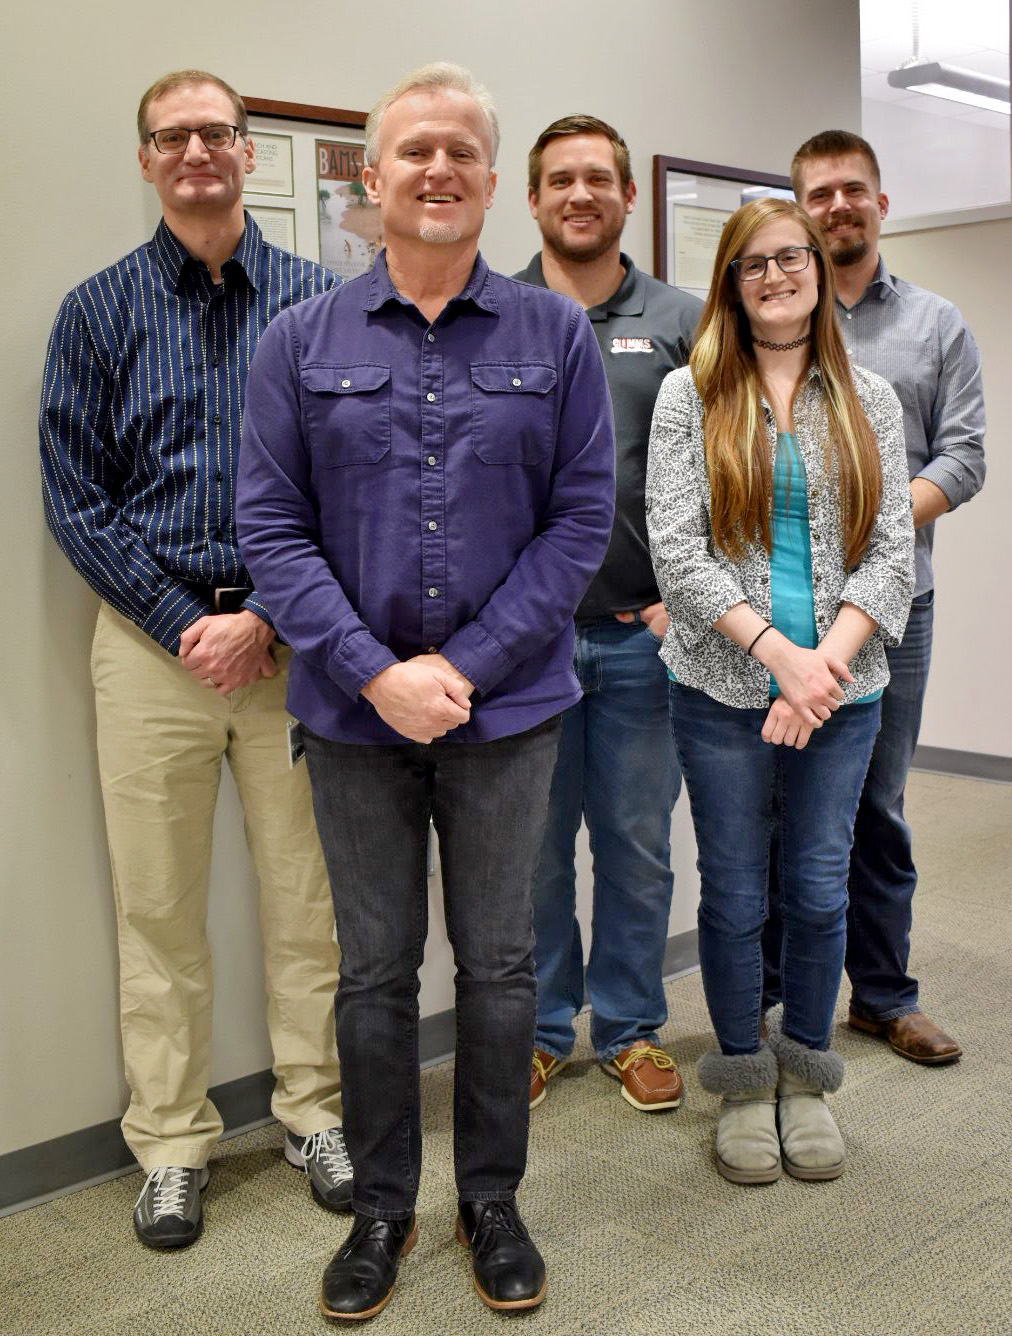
(692, 202)
(313, 156)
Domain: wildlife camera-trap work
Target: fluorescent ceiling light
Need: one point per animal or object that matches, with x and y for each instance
(953, 83)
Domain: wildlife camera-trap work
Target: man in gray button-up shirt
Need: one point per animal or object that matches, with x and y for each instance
(920, 343)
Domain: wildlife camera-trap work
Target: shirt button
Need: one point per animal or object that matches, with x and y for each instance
(517, 381)
(214, 361)
(431, 459)
(850, 315)
(431, 649)
(433, 525)
(217, 418)
(431, 397)
(432, 339)
(345, 384)
(433, 592)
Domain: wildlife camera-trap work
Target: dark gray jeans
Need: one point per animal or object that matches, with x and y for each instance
(489, 803)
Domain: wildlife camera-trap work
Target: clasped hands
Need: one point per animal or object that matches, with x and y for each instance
(422, 698)
(809, 682)
(228, 650)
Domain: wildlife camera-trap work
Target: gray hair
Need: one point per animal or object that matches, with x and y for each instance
(440, 74)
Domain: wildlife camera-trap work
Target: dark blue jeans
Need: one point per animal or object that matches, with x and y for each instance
(739, 787)
(488, 802)
(617, 769)
(882, 873)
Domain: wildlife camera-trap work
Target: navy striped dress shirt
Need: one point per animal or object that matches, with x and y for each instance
(141, 418)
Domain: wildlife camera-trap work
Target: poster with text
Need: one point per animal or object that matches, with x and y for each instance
(351, 229)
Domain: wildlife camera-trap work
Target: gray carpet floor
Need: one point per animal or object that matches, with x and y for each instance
(639, 1232)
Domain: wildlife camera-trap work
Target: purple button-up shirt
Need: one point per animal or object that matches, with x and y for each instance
(407, 487)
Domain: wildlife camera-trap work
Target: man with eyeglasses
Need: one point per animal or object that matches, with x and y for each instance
(140, 423)
(920, 343)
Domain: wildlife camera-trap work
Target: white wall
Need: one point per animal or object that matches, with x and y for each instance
(967, 706)
(707, 79)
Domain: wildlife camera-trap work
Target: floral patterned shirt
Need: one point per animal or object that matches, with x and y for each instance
(699, 582)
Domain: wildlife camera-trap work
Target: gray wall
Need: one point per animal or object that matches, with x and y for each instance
(720, 81)
(967, 708)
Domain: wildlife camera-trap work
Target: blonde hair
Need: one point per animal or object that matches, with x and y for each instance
(168, 83)
(440, 74)
(738, 458)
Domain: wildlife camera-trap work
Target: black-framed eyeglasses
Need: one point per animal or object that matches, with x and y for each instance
(790, 260)
(175, 138)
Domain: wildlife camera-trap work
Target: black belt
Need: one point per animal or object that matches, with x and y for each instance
(224, 598)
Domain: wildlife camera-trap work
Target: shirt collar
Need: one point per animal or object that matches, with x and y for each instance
(884, 281)
(629, 298)
(881, 285)
(478, 289)
(172, 255)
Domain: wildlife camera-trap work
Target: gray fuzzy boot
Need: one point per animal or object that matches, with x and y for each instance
(809, 1138)
(748, 1149)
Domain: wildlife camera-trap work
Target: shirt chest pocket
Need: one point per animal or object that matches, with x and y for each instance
(347, 413)
(512, 412)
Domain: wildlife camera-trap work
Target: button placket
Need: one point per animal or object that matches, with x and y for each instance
(432, 493)
(216, 437)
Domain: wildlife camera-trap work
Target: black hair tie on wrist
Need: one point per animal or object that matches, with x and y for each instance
(767, 627)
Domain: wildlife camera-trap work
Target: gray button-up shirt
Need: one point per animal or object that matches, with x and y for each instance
(921, 345)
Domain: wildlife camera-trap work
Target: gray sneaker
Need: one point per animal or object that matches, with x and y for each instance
(324, 1157)
(168, 1214)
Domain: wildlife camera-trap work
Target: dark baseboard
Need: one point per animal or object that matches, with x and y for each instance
(79, 1159)
(970, 765)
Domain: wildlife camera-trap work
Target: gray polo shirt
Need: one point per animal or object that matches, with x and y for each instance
(921, 345)
(645, 330)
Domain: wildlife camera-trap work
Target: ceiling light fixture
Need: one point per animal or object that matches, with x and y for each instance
(948, 81)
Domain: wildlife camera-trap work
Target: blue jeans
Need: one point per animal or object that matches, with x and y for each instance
(739, 789)
(488, 802)
(616, 769)
(882, 873)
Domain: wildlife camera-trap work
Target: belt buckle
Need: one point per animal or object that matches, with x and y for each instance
(230, 598)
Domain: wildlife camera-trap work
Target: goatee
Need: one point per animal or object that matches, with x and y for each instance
(442, 234)
(845, 253)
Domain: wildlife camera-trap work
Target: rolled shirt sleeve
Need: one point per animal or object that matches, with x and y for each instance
(956, 439)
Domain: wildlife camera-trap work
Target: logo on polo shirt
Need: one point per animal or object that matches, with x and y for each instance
(624, 345)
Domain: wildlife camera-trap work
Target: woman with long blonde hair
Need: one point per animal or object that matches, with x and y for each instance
(779, 519)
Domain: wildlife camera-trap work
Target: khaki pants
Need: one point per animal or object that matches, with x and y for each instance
(161, 737)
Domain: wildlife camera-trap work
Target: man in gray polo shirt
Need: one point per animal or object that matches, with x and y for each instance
(920, 343)
(616, 766)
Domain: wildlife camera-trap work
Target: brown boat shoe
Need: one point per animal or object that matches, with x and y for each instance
(543, 1068)
(650, 1079)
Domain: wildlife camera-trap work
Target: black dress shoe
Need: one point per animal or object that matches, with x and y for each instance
(509, 1272)
(359, 1278)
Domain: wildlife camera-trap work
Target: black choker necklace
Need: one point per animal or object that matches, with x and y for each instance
(782, 347)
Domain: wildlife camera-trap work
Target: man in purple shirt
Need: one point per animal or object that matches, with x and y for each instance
(426, 489)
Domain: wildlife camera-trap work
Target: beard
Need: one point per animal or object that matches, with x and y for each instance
(581, 254)
(847, 252)
(440, 234)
